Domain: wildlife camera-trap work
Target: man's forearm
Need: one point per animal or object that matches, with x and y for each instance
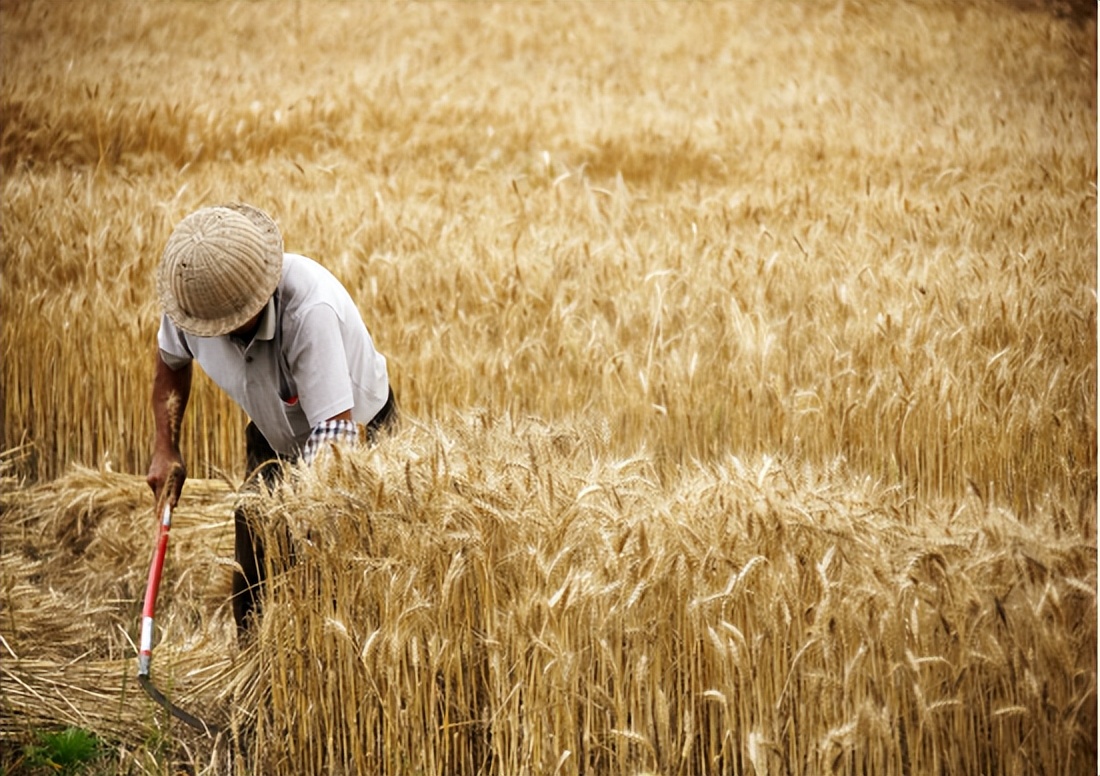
(171, 390)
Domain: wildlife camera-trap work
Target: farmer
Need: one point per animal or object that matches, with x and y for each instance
(282, 337)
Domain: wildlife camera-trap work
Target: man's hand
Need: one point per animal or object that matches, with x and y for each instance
(167, 470)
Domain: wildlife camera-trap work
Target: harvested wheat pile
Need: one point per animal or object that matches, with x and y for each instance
(503, 596)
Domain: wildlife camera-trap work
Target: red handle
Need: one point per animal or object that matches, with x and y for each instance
(155, 570)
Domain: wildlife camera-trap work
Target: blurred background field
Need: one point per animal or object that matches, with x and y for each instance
(747, 353)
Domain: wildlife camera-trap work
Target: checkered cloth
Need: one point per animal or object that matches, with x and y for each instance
(328, 432)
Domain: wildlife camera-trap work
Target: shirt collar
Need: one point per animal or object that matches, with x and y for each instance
(266, 329)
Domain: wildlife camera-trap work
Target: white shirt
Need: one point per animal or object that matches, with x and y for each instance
(310, 359)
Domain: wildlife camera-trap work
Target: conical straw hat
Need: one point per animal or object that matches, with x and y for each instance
(219, 268)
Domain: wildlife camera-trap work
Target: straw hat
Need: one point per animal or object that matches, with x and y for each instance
(219, 268)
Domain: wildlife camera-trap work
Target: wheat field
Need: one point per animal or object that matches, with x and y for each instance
(746, 353)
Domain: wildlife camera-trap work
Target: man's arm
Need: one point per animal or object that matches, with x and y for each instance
(171, 390)
(339, 429)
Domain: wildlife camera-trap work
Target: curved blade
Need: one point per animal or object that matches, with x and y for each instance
(173, 709)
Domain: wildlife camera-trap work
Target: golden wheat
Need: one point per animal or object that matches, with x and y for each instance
(783, 252)
(747, 353)
(433, 605)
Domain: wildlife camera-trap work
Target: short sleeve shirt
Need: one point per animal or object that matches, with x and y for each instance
(311, 358)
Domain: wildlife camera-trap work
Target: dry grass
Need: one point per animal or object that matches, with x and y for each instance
(749, 351)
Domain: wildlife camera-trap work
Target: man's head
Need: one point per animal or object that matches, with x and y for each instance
(219, 268)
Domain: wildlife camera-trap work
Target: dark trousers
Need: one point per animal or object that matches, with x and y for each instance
(265, 469)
